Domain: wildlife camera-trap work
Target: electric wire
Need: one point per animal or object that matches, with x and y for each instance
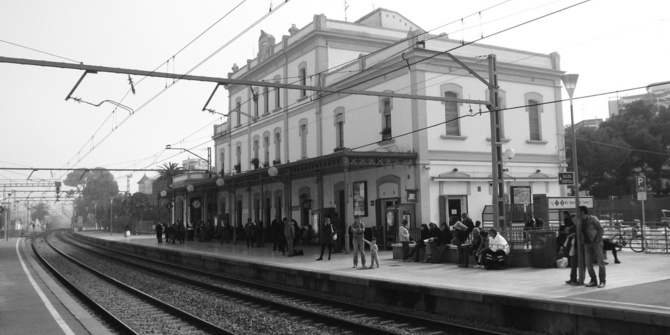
(178, 79)
(43, 52)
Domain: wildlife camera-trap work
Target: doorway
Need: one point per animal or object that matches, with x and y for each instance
(452, 206)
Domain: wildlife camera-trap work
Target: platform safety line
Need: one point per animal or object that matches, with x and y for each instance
(623, 303)
(54, 313)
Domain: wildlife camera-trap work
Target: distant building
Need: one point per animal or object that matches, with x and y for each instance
(591, 123)
(657, 94)
(145, 185)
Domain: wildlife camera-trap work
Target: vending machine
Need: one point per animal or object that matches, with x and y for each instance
(393, 217)
(316, 220)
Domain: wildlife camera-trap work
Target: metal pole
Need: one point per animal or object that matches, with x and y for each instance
(111, 215)
(575, 185)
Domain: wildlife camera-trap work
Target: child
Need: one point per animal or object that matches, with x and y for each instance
(373, 251)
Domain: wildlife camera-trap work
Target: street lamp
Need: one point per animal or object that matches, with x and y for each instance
(111, 215)
(570, 83)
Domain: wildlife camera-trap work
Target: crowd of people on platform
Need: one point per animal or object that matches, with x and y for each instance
(488, 249)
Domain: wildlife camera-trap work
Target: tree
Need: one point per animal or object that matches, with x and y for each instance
(39, 212)
(167, 173)
(602, 158)
(646, 129)
(94, 187)
(139, 205)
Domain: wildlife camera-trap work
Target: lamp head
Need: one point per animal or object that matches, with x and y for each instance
(220, 182)
(163, 193)
(273, 171)
(190, 188)
(570, 83)
(168, 147)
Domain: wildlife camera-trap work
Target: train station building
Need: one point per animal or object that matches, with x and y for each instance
(303, 154)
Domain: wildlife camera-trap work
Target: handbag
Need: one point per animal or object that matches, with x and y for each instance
(335, 237)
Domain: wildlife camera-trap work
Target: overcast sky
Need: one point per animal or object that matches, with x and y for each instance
(612, 44)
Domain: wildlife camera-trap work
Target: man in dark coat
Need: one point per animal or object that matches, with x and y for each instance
(159, 233)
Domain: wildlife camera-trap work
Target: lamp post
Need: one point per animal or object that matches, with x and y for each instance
(570, 83)
(126, 195)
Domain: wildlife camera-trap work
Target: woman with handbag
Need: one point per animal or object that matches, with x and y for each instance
(328, 234)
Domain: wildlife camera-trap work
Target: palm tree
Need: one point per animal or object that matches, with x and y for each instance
(167, 172)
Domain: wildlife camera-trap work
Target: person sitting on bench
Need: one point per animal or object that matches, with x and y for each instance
(495, 252)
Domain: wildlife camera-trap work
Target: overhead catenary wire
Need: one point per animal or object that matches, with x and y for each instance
(188, 72)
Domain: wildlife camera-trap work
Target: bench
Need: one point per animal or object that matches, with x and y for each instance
(518, 256)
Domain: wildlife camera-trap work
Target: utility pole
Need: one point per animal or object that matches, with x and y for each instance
(496, 147)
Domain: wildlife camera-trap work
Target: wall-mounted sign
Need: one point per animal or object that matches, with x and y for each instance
(566, 178)
(412, 196)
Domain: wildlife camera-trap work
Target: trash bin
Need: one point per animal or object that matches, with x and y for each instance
(543, 252)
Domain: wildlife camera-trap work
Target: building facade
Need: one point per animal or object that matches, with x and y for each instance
(299, 153)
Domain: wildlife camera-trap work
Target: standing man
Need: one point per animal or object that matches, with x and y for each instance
(277, 230)
(326, 238)
(358, 229)
(159, 233)
(337, 227)
(592, 233)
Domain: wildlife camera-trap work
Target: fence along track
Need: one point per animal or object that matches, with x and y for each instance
(357, 313)
(152, 313)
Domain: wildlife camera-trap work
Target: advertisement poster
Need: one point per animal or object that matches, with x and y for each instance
(360, 198)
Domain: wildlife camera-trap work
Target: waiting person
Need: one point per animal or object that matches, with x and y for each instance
(611, 246)
(337, 226)
(190, 231)
(250, 232)
(446, 237)
(528, 226)
(421, 243)
(326, 238)
(159, 233)
(224, 232)
(289, 234)
(277, 229)
(404, 240)
(373, 252)
(467, 248)
(496, 250)
(462, 231)
(434, 242)
(358, 229)
(259, 233)
(592, 234)
(571, 250)
(181, 233)
(479, 257)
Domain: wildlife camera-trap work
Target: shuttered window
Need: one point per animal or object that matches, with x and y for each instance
(451, 115)
(534, 120)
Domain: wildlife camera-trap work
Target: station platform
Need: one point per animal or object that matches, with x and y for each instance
(635, 300)
(31, 302)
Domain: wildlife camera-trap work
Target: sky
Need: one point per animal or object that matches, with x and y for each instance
(614, 45)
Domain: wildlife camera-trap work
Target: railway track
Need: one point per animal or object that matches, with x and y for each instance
(318, 314)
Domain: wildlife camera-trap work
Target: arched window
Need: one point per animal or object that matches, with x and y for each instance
(452, 108)
(277, 148)
(238, 109)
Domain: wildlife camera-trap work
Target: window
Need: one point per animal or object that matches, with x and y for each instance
(303, 138)
(534, 120)
(238, 109)
(256, 148)
(302, 74)
(266, 149)
(451, 115)
(339, 127)
(534, 112)
(222, 158)
(277, 94)
(255, 99)
(386, 108)
(238, 154)
(452, 126)
(266, 100)
(278, 147)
